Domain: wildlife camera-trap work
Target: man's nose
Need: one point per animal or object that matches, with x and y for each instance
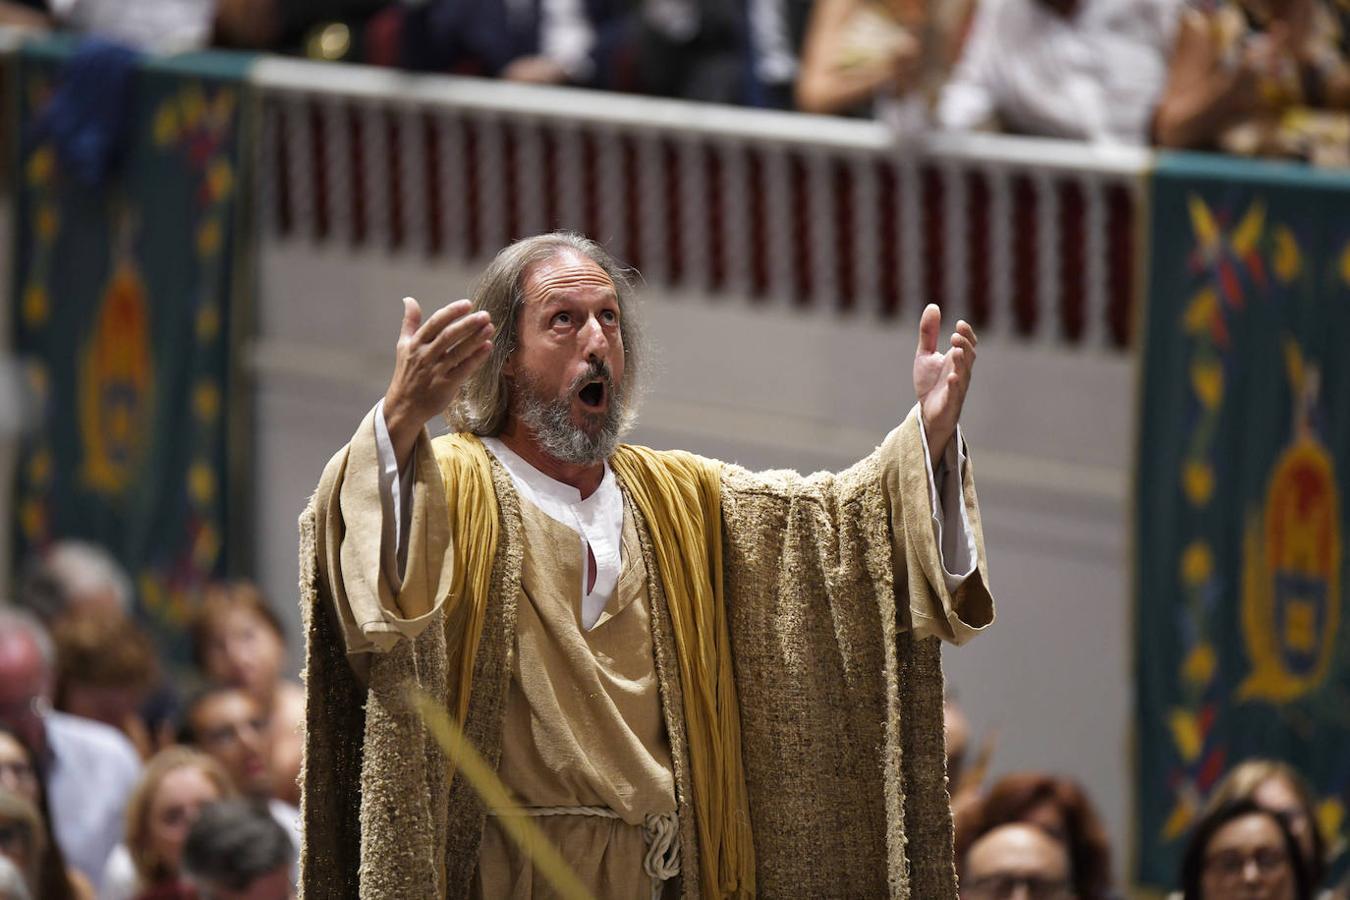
(594, 343)
(1251, 870)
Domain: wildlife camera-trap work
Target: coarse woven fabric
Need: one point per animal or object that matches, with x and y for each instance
(841, 710)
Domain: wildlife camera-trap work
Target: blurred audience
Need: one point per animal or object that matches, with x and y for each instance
(19, 774)
(177, 784)
(72, 580)
(106, 669)
(228, 724)
(1083, 69)
(1060, 809)
(235, 850)
(1276, 787)
(21, 837)
(238, 640)
(1015, 861)
(854, 52)
(965, 772)
(693, 50)
(88, 768)
(1261, 77)
(1238, 849)
(85, 599)
(539, 43)
(286, 24)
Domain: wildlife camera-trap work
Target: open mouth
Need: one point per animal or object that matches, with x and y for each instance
(593, 395)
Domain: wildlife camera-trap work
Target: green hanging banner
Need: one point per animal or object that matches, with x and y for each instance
(1242, 645)
(123, 304)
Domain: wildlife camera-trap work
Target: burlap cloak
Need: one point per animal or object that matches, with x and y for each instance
(841, 708)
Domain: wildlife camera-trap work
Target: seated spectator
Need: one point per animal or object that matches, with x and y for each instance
(692, 49)
(1083, 69)
(1015, 860)
(229, 725)
(1276, 787)
(1246, 77)
(1060, 809)
(1238, 849)
(177, 783)
(549, 43)
(237, 640)
(88, 769)
(105, 670)
(855, 51)
(21, 837)
(236, 851)
(18, 773)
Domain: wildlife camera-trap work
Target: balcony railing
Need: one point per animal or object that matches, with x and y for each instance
(1036, 239)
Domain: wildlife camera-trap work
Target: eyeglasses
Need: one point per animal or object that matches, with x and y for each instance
(233, 732)
(1004, 887)
(1230, 865)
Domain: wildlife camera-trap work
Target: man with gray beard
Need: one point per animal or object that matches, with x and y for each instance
(698, 680)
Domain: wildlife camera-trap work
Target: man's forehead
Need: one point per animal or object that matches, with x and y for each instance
(1017, 847)
(563, 273)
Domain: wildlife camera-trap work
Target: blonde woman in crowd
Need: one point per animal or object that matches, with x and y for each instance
(238, 640)
(177, 783)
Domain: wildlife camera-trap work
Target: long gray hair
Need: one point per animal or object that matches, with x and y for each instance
(485, 398)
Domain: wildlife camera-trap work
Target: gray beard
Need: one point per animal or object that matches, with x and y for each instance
(550, 419)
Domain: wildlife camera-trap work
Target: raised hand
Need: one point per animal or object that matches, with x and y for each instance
(942, 379)
(432, 361)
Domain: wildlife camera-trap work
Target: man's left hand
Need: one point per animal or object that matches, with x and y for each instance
(942, 379)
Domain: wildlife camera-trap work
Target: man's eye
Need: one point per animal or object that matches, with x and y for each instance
(562, 318)
(609, 317)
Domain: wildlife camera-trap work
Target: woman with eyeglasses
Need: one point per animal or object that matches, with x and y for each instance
(1241, 851)
(19, 775)
(177, 783)
(1279, 788)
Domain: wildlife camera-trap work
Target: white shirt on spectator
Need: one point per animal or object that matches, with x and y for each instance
(565, 33)
(91, 771)
(1095, 76)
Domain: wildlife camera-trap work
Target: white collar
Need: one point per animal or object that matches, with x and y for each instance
(598, 520)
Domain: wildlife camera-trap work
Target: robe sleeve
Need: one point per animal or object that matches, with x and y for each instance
(375, 607)
(940, 603)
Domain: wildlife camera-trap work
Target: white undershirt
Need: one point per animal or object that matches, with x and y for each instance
(598, 519)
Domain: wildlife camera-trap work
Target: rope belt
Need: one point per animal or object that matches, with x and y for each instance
(660, 831)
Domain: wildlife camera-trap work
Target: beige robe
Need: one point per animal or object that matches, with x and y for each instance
(583, 722)
(827, 577)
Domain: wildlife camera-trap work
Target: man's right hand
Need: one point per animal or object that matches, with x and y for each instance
(433, 359)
